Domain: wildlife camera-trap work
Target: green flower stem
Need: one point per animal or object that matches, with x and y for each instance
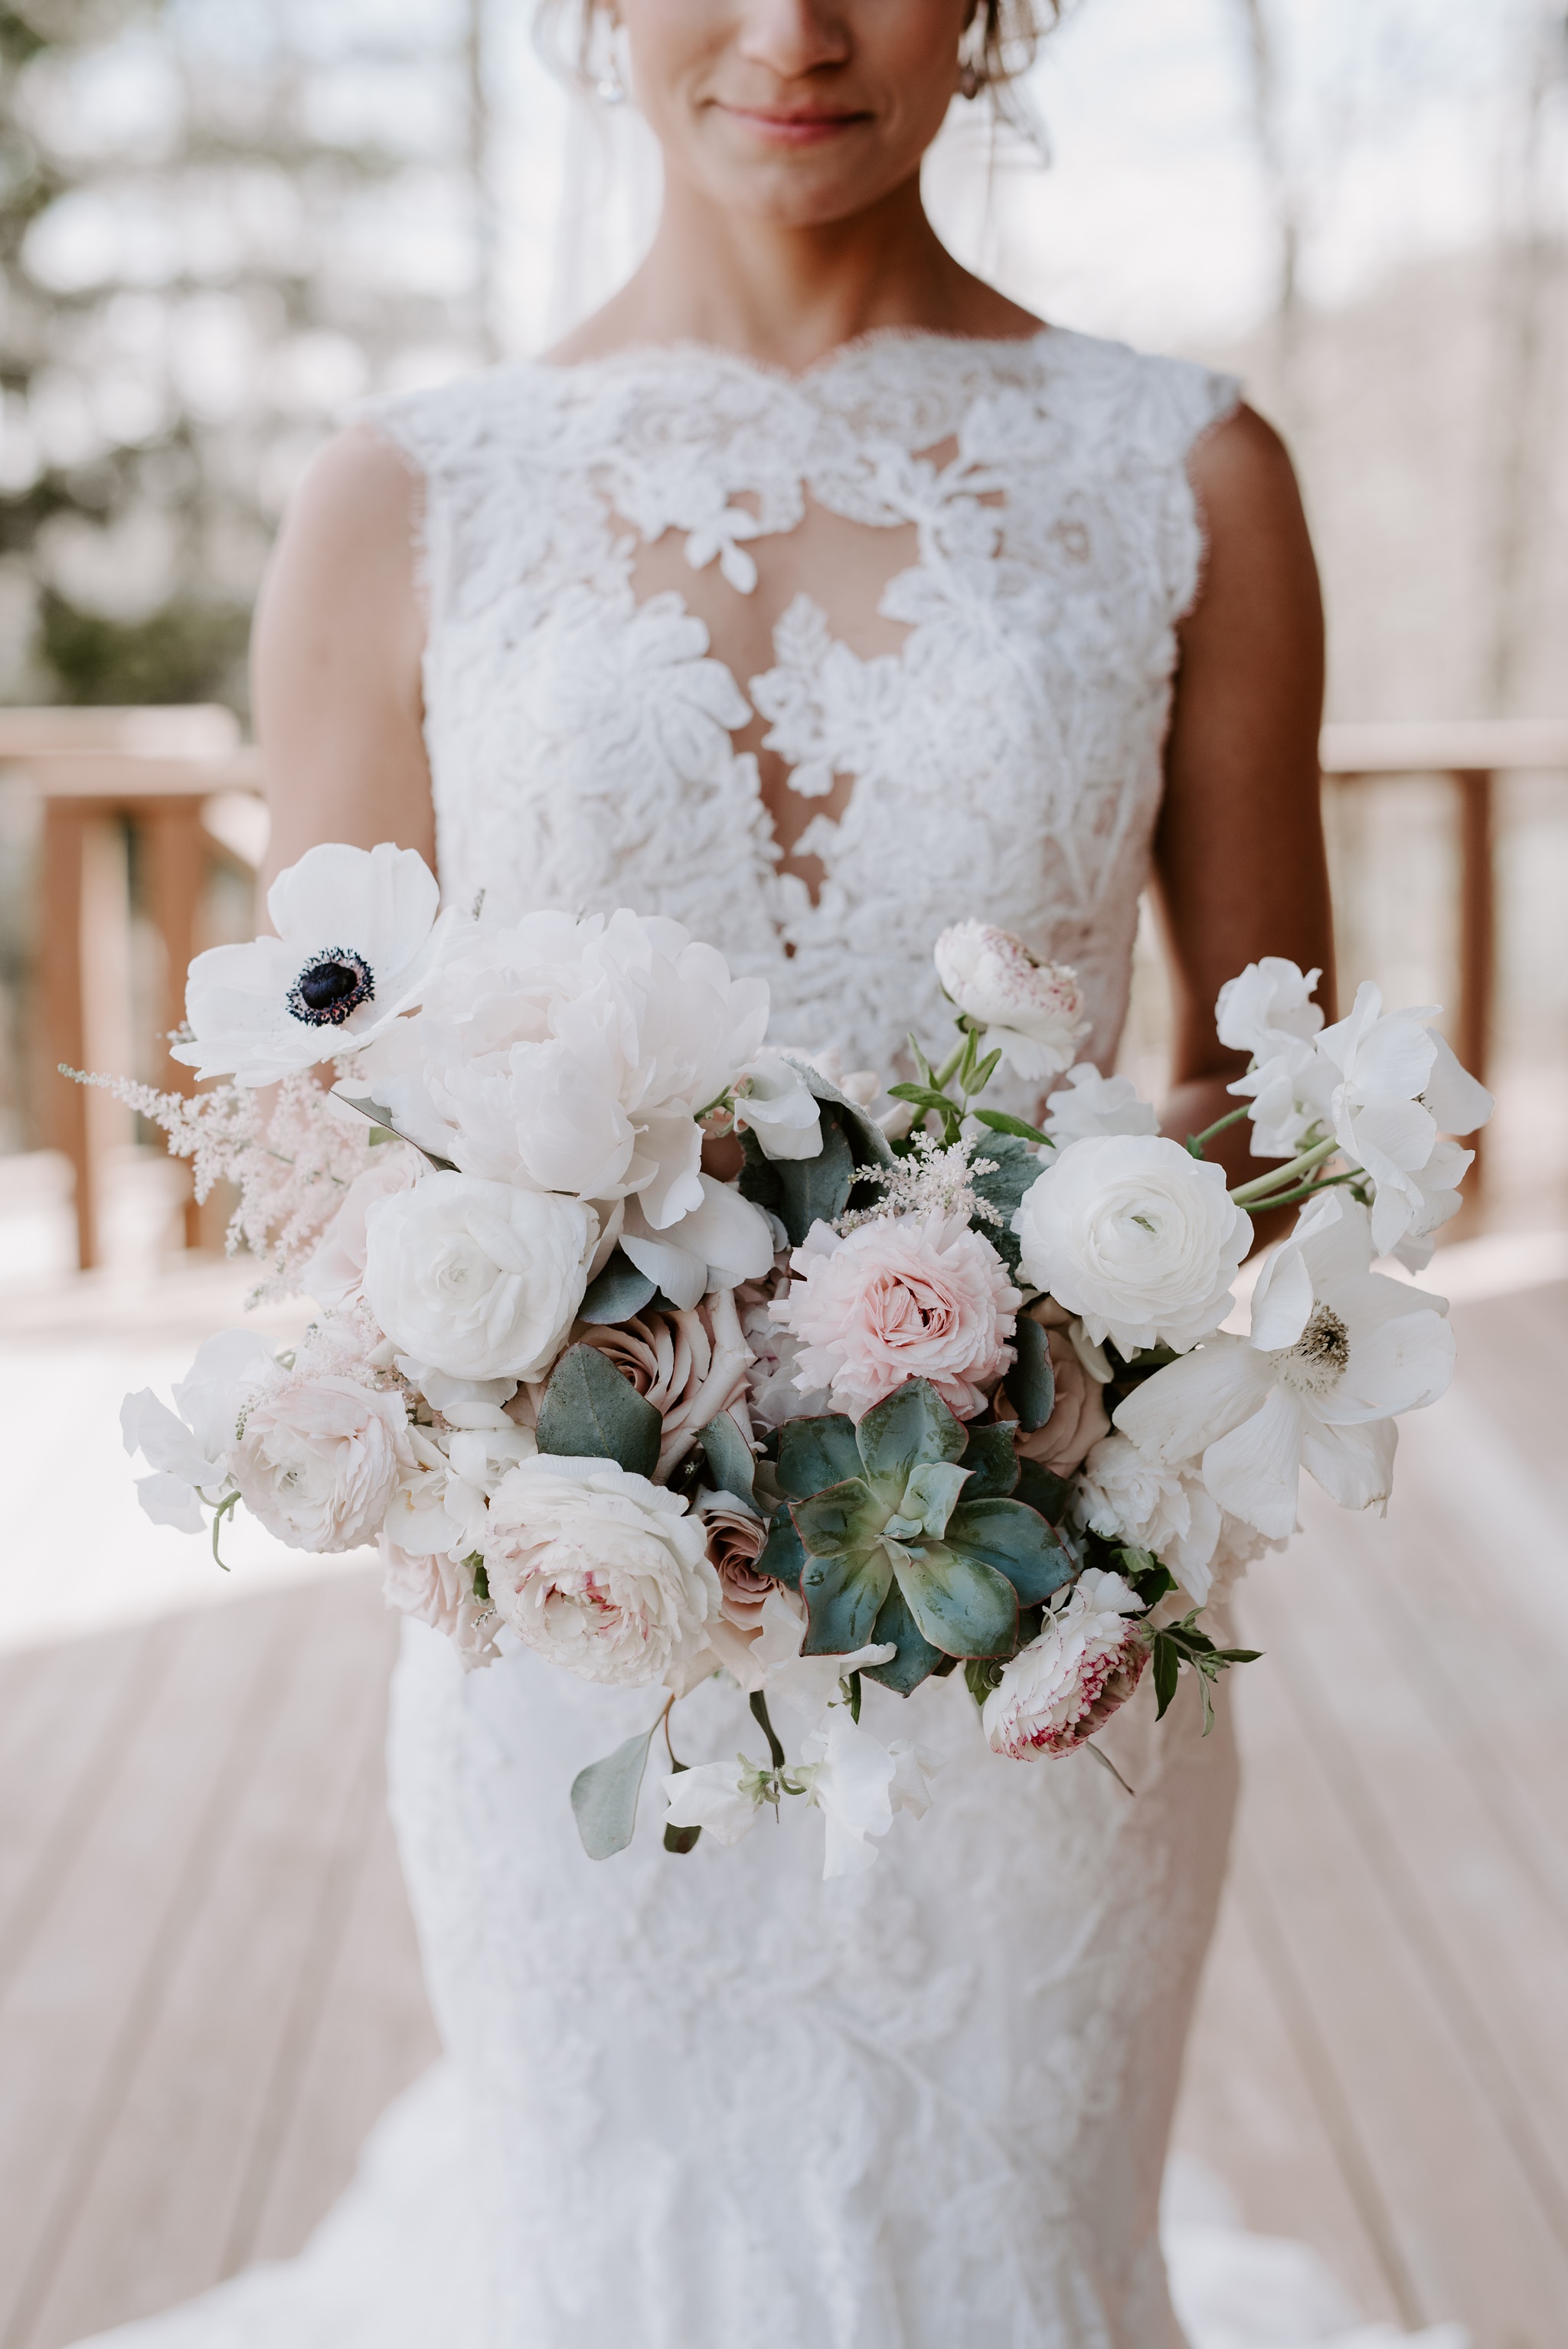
(1283, 1177)
(231, 1501)
(1310, 1190)
(760, 1713)
(1195, 1141)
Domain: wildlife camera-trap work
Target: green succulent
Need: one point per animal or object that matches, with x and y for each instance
(901, 1530)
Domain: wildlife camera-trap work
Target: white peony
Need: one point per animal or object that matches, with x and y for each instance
(1268, 1001)
(1090, 1103)
(773, 1101)
(720, 1242)
(358, 943)
(1133, 1496)
(1136, 1237)
(335, 1275)
(319, 1459)
(188, 1449)
(1081, 1667)
(1034, 1010)
(600, 1571)
(1335, 1351)
(574, 1056)
(479, 1280)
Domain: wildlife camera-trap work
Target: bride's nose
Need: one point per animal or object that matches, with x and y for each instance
(791, 37)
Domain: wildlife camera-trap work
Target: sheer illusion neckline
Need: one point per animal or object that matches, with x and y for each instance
(868, 344)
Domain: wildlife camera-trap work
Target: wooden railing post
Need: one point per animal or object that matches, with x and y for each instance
(57, 1005)
(176, 868)
(1477, 937)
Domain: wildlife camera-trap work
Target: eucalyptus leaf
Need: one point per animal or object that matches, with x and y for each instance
(731, 1463)
(914, 1424)
(591, 1413)
(816, 1452)
(1016, 1169)
(992, 1462)
(619, 1291)
(1017, 1541)
(604, 1796)
(1031, 1382)
(843, 1596)
(917, 1659)
(758, 1178)
(866, 1139)
(814, 1190)
(959, 1603)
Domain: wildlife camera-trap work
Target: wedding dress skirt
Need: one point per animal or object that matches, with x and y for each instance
(711, 2102)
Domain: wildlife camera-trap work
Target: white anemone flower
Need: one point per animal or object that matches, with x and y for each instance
(188, 1448)
(357, 941)
(1334, 1351)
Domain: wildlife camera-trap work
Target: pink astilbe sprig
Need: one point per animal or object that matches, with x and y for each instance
(291, 1162)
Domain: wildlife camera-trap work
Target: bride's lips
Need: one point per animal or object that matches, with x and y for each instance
(801, 127)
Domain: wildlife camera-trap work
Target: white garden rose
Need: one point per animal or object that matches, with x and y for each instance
(575, 1056)
(479, 1280)
(1136, 1235)
(1034, 1010)
(601, 1571)
(319, 1458)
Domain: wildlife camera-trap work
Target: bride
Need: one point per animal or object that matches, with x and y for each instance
(817, 595)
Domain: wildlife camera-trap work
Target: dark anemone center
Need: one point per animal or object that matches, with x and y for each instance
(336, 984)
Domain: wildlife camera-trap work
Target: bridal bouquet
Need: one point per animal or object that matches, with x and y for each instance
(930, 1392)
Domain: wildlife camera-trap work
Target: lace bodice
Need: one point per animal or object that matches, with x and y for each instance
(1003, 761)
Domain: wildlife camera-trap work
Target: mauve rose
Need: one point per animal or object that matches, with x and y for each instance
(690, 1366)
(1078, 1417)
(903, 1298)
(735, 1539)
(319, 1458)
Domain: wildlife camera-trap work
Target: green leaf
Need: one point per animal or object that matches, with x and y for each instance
(758, 1178)
(382, 1119)
(981, 1676)
(917, 1659)
(760, 1714)
(1017, 1170)
(960, 1604)
(1167, 1673)
(914, 1424)
(846, 1518)
(681, 1839)
(867, 1141)
(929, 1499)
(815, 1190)
(1017, 1541)
(619, 1291)
(1052, 1495)
(924, 1097)
(986, 1071)
(591, 1413)
(1031, 1382)
(604, 1796)
(816, 1452)
(1000, 1121)
(843, 1598)
(783, 1553)
(731, 1462)
(992, 1462)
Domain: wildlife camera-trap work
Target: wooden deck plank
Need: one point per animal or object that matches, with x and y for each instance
(207, 2099)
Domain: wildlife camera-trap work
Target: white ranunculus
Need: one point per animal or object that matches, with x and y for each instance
(1090, 1103)
(189, 1449)
(574, 1055)
(1034, 1010)
(319, 1460)
(479, 1280)
(773, 1101)
(1269, 999)
(599, 1571)
(335, 1273)
(358, 943)
(1136, 1237)
(1133, 1496)
(719, 1243)
(1400, 1091)
(1334, 1351)
(1085, 1662)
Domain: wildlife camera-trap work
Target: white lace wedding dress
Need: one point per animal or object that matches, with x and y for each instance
(711, 2102)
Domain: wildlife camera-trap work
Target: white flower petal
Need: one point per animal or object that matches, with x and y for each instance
(1457, 1100)
(1184, 1406)
(170, 1501)
(1354, 1465)
(1282, 1301)
(1253, 1471)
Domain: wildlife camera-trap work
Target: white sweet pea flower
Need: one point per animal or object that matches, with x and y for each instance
(810, 1686)
(1135, 1236)
(574, 1056)
(1134, 1497)
(849, 1778)
(1335, 1351)
(1291, 1088)
(1268, 1001)
(188, 1449)
(773, 1101)
(1090, 1103)
(723, 1798)
(1400, 1089)
(441, 1502)
(358, 943)
(719, 1243)
(480, 1280)
(1034, 1010)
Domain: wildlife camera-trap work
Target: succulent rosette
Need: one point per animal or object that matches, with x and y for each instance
(921, 1391)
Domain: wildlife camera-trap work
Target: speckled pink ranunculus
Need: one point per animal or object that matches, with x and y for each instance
(903, 1298)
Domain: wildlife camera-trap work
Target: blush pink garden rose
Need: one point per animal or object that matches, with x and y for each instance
(439, 1590)
(319, 1457)
(1085, 1662)
(903, 1298)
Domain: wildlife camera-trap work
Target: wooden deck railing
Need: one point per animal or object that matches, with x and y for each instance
(181, 780)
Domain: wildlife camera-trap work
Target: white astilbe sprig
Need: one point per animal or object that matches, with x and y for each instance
(291, 1164)
(931, 1181)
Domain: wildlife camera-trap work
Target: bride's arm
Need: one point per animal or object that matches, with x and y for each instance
(1239, 859)
(335, 660)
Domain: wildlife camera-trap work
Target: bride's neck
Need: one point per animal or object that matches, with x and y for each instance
(789, 295)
